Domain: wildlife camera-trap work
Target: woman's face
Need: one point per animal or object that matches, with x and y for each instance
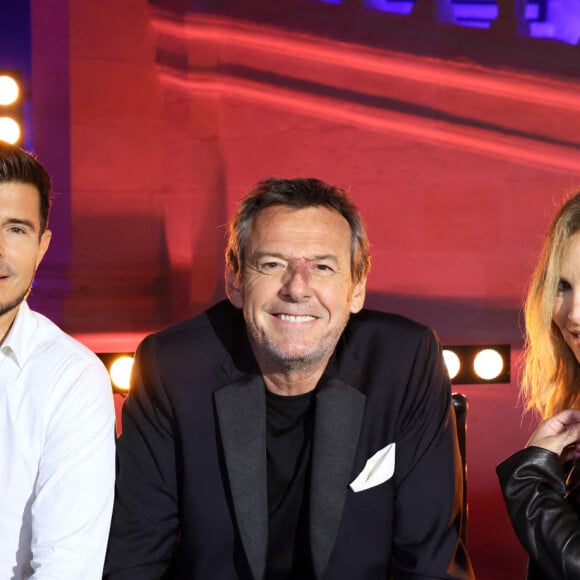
(566, 313)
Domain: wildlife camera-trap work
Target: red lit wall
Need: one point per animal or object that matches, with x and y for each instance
(164, 122)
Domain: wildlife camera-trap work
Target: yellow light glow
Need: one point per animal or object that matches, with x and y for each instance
(120, 372)
(452, 363)
(488, 364)
(9, 90)
(9, 130)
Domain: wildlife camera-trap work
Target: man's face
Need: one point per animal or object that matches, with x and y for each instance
(296, 287)
(21, 247)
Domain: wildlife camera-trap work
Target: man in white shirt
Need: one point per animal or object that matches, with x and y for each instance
(57, 417)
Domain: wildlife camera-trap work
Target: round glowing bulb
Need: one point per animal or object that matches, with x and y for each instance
(9, 130)
(488, 364)
(120, 372)
(452, 363)
(9, 90)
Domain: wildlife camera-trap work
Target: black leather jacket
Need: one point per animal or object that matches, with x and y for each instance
(544, 511)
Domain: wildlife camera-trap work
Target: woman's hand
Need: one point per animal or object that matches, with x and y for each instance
(560, 434)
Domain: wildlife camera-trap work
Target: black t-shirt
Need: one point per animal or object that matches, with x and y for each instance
(289, 440)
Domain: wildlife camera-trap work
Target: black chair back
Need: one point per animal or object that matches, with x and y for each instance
(460, 405)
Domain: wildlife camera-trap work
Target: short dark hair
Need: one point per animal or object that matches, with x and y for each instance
(298, 193)
(23, 167)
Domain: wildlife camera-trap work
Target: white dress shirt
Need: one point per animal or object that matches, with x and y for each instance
(57, 454)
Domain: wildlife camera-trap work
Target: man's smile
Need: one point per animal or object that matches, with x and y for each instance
(295, 318)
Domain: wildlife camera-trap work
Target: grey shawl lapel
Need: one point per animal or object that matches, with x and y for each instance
(338, 419)
(241, 411)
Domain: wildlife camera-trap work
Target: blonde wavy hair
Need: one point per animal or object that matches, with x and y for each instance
(551, 374)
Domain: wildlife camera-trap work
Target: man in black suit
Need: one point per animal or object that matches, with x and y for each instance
(287, 433)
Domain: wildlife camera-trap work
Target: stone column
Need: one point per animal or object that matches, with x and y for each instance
(434, 10)
(511, 18)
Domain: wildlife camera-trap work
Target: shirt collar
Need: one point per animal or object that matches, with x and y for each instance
(16, 342)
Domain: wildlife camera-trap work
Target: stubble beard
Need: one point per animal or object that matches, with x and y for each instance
(13, 304)
(277, 357)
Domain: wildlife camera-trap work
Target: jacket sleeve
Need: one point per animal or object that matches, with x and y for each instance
(533, 487)
(145, 514)
(429, 478)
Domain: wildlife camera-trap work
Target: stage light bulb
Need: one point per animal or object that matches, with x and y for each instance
(9, 90)
(120, 372)
(488, 364)
(9, 130)
(452, 363)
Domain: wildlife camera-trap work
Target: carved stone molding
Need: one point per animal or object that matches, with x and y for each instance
(447, 103)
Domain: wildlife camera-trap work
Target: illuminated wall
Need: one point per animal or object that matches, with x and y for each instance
(457, 165)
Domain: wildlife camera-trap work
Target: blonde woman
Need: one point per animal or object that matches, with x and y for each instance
(539, 482)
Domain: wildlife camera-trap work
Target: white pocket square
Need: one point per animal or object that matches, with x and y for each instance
(377, 469)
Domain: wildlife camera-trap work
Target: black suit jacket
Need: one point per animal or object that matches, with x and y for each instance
(191, 498)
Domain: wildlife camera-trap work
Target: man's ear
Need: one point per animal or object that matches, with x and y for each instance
(234, 289)
(357, 299)
(45, 238)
